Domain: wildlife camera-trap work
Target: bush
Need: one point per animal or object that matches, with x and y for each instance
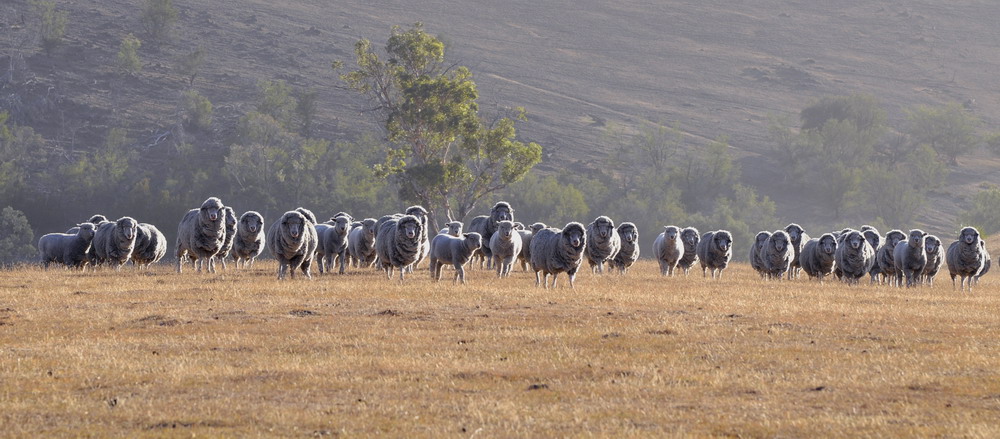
(128, 62)
(52, 25)
(984, 213)
(16, 238)
(197, 110)
(158, 17)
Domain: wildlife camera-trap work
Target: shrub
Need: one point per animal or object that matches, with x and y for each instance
(52, 25)
(984, 213)
(197, 110)
(128, 62)
(16, 238)
(158, 17)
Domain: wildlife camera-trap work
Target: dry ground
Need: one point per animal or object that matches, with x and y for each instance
(240, 354)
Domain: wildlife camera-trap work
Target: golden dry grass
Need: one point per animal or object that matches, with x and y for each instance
(241, 354)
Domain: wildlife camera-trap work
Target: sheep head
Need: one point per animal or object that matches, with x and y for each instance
(628, 232)
(794, 232)
(969, 235)
(723, 240)
(505, 229)
(780, 240)
(294, 222)
(670, 233)
(603, 226)
(211, 208)
(502, 212)
(931, 244)
(827, 243)
(575, 235)
(252, 221)
(916, 239)
(409, 226)
(127, 226)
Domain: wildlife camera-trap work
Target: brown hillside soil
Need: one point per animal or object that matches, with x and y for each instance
(238, 354)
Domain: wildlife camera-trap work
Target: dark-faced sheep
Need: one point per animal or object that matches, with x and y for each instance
(200, 234)
(150, 246)
(818, 256)
(114, 241)
(397, 244)
(292, 240)
(885, 255)
(65, 248)
(714, 252)
(935, 257)
(756, 255)
(798, 238)
(526, 236)
(453, 250)
(777, 254)
(335, 241)
(668, 249)
(249, 241)
(966, 257)
(505, 245)
(229, 233)
(690, 237)
(555, 251)
(629, 252)
(361, 243)
(854, 256)
(910, 258)
(487, 225)
(603, 243)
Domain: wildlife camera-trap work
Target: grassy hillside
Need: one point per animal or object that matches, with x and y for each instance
(237, 354)
(713, 68)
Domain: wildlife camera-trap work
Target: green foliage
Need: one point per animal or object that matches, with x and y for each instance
(949, 129)
(441, 154)
(16, 238)
(128, 62)
(51, 24)
(548, 200)
(306, 107)
(276, 99)
(158, 18)
(99, 175)
(22, 159)
(197, 110)
(190, 64)
(984, 212)
(862, 110)
(742, 212)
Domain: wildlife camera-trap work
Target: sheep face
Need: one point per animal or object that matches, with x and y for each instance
(892, 238)
(628, 232)
(252, 221)
(455, 229)
(128, 227)
(828, 244)
(342, 224)
(502, 212)
(723, 240)
(916, 239)
(368, 226)
(294, 222)
(854, 240)
(969, 235)
(409, 226)
(780, 240)
(871, 235)
(575, 235)
(230, 218)
(86, 231)
(603, 226)
(505, 229)
(670, 233)
(931, 244)
(419, 212)
(210, 209)
(690, 236)
(473, 241)
(760, 239)
(794, 232)
(537, 226)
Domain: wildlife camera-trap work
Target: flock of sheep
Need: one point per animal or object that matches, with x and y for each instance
(402, 241)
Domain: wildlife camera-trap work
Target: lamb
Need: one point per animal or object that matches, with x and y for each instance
(229, 220)
(909, 258)
(454, 250)
(690, 237)
(505, 245)
(854, 257)
(425, 243)
(335, 241)
(875, 240)
(818, 256)
(885, 255)
(966, 257)
(935, 256)
(200, 234)
(668, 249)
(293, 241)
(453, 228)
(798, 239)
(321, 229)
(603, 243)
(397, 244)
(629, 252)
(555, 251)
(756, 255)
(526, 236)
(777, 254)
(150, 246)
(114, 241)
(714, 251)
(487, 225)
(249, 240)
(65, 248)
(361, 243)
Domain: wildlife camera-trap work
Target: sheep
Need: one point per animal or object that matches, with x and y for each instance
(714, 252)
(249, 240)
(229, 229)
(966, 257)
(114, 241)
(321, 229)
(875, 240)
(519, 226)
(70, 249)
(603, 243)
(909, 258)
(629, 252)
(690, 237)
(505, 245)
(668, 249)
(361, 243)
(854, 257)
(885, 255)
(818, 256)
(335, 241)
(425, 242)
(150, 246)
(555, 251)
(453, 228)
(96, 220)
(756, 255)
(397, 244)
(798, 238)
(200, 234)
(487, 225)
(935, 257)
(292, 240)
(454, 250)
(526, 236)
(986, 263)
(777, 254)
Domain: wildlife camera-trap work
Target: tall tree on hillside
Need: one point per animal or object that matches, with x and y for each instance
(442, 154)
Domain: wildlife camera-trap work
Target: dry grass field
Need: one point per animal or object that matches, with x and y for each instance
(240, 354)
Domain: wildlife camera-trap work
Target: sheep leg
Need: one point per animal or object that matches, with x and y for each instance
(460, 273)
(537, 278)
(342, 258)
